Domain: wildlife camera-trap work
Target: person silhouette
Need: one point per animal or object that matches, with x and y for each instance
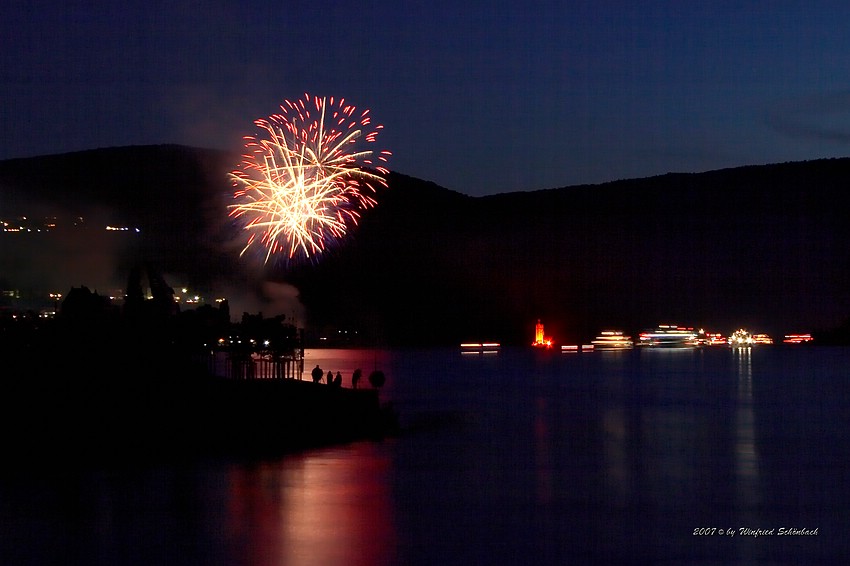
(317, 374)
(330, 377)
(377, 379)
(355, 377)
(338, 380)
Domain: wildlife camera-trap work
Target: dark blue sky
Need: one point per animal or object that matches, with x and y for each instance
(479, 97)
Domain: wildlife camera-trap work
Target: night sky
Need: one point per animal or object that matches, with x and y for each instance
(479, 97)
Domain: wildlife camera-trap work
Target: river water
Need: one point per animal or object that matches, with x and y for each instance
(518, 457)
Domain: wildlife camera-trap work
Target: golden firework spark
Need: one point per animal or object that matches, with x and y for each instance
(303, 181)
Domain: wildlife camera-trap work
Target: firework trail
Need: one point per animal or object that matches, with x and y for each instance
(304, 179)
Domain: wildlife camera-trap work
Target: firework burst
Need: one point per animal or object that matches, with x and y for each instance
(306, 176)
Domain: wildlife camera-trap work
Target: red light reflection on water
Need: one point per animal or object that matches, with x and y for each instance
(318, 508)
(346, 361)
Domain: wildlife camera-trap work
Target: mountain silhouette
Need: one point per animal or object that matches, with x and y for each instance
(762, 247)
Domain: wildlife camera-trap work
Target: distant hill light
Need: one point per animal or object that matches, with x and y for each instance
(28, 223)
(122, 229)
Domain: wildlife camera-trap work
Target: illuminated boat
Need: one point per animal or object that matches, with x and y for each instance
(762, 339)
(741, 339)
(668, 336)
(710, 338)
(612, 340)
(480, 347)
(798, 338)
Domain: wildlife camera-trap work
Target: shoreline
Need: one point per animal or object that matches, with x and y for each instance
(130, 417)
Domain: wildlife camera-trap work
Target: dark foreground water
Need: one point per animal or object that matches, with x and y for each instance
(670, 456)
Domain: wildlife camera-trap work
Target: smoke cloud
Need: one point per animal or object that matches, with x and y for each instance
(37, 261)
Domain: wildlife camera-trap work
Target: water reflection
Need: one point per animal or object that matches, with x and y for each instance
(617, 463)
(511, 459)
(621, 431)
(324, 507)
(746, 454)
(542, 451)
(345, 361)
(747, 484)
